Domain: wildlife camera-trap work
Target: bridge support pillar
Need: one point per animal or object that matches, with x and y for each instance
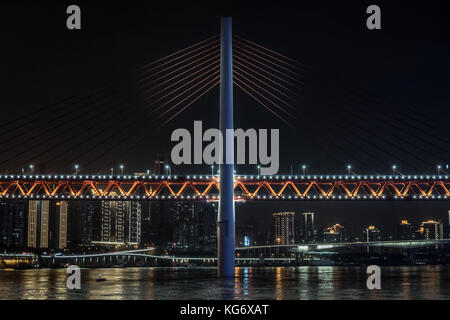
(225, 218)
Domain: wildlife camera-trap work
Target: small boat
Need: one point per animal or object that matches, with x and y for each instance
(100, 278)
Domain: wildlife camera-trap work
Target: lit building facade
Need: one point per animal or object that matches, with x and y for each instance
(335, 233)
(120, 223)
(57, 225)
(430, 230)
(284, 224)
(38, 211)
(47, 224)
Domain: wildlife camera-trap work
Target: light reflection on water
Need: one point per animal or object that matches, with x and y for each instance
(421, 282)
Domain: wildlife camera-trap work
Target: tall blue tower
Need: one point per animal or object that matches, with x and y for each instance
(225, 218)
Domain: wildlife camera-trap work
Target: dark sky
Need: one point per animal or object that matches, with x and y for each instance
(400, 74)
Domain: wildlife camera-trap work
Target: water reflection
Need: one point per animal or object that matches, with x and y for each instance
(422, 282)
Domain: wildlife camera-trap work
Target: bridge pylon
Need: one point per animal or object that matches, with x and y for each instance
(226, 216)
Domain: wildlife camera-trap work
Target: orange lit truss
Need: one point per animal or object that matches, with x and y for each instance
(204, 187)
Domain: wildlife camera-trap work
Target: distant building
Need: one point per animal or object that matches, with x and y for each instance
(133, 222)
(84, 223)
(57, 225)
(247, 234)
(309, 230)
(335, 233)
(284, 224)
(448, 226)
(156, 219)
(430, 230)
(208, 225)
(13, 223)
(371, 233)
(120, 223)
(405, 231)
(47, 224)
(38, 223)
(157, 223)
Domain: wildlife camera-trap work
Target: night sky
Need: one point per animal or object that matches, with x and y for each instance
(370, 98)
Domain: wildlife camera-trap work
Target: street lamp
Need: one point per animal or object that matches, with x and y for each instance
(259, 170)
(148, 171)
(168, 169)
(31, 168)
(349, 168)
(304, 169)
(394, 167)
(438, 169)
(76, 168)
(121, 169)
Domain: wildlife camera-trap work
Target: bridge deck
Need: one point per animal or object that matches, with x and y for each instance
(206, 188)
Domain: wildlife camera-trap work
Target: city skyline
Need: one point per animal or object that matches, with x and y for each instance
(38, 224)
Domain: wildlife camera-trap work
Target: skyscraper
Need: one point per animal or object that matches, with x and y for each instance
(159, 226)
(57, 225)
(186, 226)
(284, 224)
(13, 223)
(38, 223)
(309, 231)
(84, 225)
(133, 222)
(47, 224)
(120, 222)
(113, 216)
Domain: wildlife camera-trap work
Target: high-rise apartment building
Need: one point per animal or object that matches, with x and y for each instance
(284, 224)
(309, 231)
(38, 211)
(13, 223)
(120, 222)
(47, 224)
(57, 225)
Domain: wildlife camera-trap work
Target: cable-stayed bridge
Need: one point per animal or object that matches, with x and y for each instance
(103, 125)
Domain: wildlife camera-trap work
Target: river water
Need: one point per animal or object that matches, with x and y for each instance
(417, 282)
